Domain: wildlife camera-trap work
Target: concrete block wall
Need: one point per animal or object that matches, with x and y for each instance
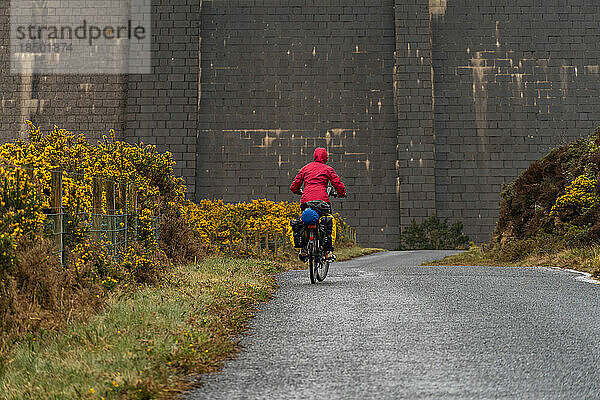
(162, 107)
(280, 78)
(91, 104)
(413, 84)
(426, 106)
(10, 85)
(511, 81)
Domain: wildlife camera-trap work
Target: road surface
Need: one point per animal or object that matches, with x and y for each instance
(383, 327)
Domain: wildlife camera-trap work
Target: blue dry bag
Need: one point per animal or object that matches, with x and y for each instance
(310, 216)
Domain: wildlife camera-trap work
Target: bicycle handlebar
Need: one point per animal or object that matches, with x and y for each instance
(330, 192)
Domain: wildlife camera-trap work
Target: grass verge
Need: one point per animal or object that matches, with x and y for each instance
(343, 252)
(475, 256)
(348, 253)
(584, 259)
(146, 343)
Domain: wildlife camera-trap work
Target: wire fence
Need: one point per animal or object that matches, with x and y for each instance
(112, 219)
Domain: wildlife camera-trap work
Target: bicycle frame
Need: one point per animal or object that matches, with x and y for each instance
(318, 266)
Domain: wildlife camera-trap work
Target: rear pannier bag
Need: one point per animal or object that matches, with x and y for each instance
(326, 227)
(299, 231)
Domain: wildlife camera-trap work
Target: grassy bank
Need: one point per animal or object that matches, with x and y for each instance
(584, 259)
(146, 343)
(342, 253)
(348, 253)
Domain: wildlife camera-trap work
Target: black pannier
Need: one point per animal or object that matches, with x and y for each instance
(299, 230)
(326, 227)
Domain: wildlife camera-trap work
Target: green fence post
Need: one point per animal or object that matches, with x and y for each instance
(96, 208)
(57, 210)
(110, 209)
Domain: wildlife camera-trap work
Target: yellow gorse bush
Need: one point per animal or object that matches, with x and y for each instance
(140, 165)
(218, 222)
(26, 180)
(579, 195)
(224, 226)
(20, 208)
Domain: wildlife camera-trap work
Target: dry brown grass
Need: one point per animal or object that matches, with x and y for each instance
(39, 294)
(584, 259)
(179, 241)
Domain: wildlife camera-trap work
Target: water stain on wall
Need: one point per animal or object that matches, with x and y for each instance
(480, 97)
(29, 105)
(437, 8)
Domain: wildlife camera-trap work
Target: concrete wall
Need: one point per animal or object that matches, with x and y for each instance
(511, 81)
(281, 78)
(162, 107)
(426, 106)
(91, 104)
(413, 84)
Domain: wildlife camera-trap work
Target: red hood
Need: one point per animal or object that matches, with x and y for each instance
(320, 155)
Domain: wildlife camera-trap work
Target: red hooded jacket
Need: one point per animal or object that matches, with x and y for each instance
(315, 177)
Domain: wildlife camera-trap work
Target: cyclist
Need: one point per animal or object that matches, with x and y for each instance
(315, 177)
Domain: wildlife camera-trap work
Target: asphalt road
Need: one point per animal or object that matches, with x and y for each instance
(383, 327)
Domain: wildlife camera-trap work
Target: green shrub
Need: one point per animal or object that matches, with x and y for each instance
(558, 195)
(577, 236)
(433, 234)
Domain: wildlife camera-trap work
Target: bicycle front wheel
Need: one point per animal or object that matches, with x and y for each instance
(312, 267)
(321, 270)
